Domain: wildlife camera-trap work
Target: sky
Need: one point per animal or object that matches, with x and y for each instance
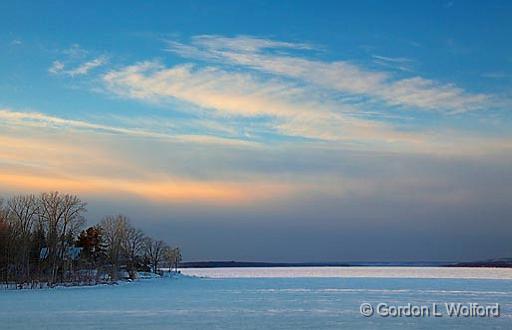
(269, 130)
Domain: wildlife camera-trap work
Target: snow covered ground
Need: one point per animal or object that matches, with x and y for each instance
(385, 272)
(239, 301)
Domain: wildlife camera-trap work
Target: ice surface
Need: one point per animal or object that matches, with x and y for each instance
(386, 272)
(282, 302)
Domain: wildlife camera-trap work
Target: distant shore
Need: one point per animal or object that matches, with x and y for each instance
(499, 263)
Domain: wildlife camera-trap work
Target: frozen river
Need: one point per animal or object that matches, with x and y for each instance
(265, 298)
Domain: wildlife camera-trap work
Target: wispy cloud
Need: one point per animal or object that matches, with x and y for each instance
(246, 43)
(75, 52)
(496, 75)
(92, 159)
(393, 59)
(396, 63)
(86, 162)
(168, 171)
(88, 66)
(289, 108)
(36, 119)
(341, 76)
(58, 67)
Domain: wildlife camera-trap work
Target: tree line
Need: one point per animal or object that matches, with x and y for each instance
(43, 243)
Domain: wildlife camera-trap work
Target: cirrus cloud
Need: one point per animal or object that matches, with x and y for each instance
(342, 76)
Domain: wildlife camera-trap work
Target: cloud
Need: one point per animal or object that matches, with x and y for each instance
(495, 75)
(294, 110)
(36, 119)
(87, 66)
(395, 63)
(247, 120)
(428, 94)
(75, 52)
(92, 164)
(159, 189)
(58, 67)
(39, 152)
(286, 107)
(392, 59)
(340, 76)
(245, 43)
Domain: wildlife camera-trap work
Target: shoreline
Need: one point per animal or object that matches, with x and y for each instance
(499, 263)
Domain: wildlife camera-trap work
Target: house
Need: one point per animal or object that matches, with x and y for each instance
(70, 254)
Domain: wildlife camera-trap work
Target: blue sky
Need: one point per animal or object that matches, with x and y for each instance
(242, 130)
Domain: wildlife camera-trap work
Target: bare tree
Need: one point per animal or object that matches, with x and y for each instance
(5, 244)
(177, 257)
(22, 210)
(133, 246)
(172, 257)
(114, 233)
(61, 218)
(154, 251)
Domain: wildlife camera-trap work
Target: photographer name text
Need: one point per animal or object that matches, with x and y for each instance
(448, 309)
